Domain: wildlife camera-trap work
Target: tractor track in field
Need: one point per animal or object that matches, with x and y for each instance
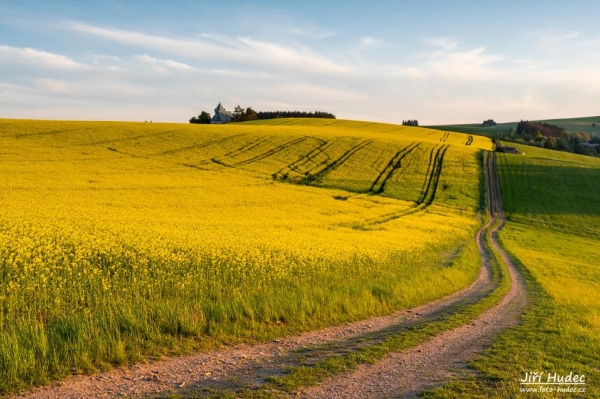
(247, 147)
(393, 165)
(262, 156)
(337, 163)
(402, 374)
(122, 139)
(283, 173)
(428, 191)
(428, 195)
(49, 132)
(200, 145)
(231, 154)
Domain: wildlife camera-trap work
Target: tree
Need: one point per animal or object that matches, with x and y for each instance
(250, 114)
(489, 122)
(550, 143)
(241, 115)
(204, 118)
(238, 114)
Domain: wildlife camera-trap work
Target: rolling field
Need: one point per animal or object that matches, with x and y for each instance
(551, 201)
(120, 241)
(573, 125)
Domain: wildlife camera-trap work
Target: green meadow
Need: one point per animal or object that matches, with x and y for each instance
(552, 204)
(573, 125)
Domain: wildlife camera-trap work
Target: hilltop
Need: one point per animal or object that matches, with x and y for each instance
(572, 125)
(576, 135)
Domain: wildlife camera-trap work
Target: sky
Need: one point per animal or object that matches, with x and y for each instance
(435, 61)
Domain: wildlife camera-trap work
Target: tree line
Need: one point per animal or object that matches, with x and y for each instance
(243, 115)
(411, 122)
(203, 118)
(526, 128)
(552, 137)
(294, 114)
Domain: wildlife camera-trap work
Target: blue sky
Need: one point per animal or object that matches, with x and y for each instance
(435, 61)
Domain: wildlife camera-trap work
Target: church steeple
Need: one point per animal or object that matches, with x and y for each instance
(220, 108)
(222, 115)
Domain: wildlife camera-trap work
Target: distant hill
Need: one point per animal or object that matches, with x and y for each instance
(577, 135)
(572, 125)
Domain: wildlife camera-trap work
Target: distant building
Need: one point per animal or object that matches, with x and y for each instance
(505, 148)
(221, 115)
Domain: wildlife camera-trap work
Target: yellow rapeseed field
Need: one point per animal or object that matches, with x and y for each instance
(123, 240)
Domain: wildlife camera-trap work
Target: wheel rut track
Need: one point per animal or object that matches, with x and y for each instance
(296, 166)
(262, 156)
(393, 165)
(428, 192)
(200, 145)
(397, 375)
(337, 163)
(428, 195)
(431, 364)
(247, 147)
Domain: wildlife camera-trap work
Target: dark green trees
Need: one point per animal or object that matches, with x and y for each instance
(203, 118)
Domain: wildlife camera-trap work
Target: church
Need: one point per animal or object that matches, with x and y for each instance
(221, 115)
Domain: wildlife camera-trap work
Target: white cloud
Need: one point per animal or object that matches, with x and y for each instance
(414, 72)
(297, 57)
(444, 43)
(473, 64)
(180, 46)
(310, 31)
(589, 42)
(369, 41)
(553, 36)
(320, 92)
(58, 86)
(242, 50)
(29, 56)
(149, 65)
(146, 59)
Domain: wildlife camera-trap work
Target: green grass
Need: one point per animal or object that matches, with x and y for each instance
(553, 234)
